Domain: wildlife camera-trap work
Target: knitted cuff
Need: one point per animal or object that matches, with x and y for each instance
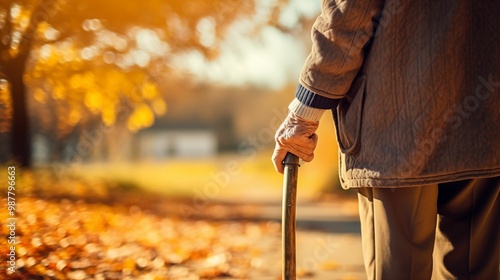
(305, 112)
(314, 100)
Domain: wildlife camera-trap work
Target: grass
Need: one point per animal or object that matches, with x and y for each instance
(225, 177)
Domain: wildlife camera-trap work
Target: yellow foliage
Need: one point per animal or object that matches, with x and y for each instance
(13, 51)
(149, 90)
(81, 81)
(4, 89)
(159, 106)
(20, 16)
(43, 27)
(58, 92)
(5, 106)
(100, 90)
(141, 117)
(93, 100)
(40, 95)
(108, 116)
(74, 117)
(87, 67)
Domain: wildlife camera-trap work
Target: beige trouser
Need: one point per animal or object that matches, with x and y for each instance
(458, 222)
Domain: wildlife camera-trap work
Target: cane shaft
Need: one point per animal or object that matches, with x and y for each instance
(291, 165)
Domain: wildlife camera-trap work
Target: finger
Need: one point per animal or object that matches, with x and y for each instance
(304, 149)
(314, 138)
(306, 144)
(305, 156)
(308, 157)
(278, 157)
(301, 152)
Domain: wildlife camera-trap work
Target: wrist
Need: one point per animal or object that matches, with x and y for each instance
(304, 111)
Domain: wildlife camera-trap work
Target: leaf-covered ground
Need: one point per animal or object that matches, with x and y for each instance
(65, 239)
(77, 229)
(93, 230)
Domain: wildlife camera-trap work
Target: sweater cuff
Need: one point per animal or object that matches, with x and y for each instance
(305, 112)
(314, 100)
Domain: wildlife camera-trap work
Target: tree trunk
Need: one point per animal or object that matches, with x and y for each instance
(20, 135)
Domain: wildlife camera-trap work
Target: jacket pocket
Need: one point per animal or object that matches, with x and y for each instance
(348, 117)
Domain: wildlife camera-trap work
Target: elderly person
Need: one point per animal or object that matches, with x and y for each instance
(414, 88)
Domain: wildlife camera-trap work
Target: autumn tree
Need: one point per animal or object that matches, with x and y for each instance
(87, 58)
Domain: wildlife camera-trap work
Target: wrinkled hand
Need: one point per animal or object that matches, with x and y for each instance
(295, 135)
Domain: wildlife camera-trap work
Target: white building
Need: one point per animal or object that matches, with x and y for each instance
(159, 144)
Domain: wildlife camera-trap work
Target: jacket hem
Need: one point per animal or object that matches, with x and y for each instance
(420, 181)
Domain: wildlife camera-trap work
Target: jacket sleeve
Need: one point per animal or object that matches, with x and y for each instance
(340, 36)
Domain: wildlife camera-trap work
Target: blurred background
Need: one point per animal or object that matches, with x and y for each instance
(156, 94)
(155, 114)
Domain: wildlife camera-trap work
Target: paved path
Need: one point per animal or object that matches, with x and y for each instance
(328, 242)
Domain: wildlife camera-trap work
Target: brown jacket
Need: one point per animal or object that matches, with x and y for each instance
(420, 88)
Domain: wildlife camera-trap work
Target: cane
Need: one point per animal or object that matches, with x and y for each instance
(291, 165)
